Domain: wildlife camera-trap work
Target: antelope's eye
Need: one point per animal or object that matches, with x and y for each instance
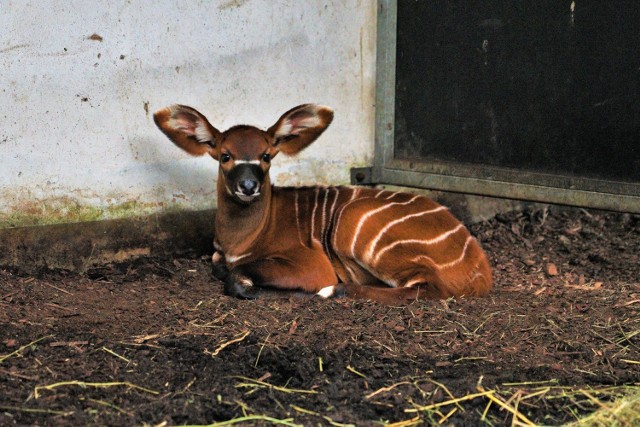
(224, 158)
(266, 157)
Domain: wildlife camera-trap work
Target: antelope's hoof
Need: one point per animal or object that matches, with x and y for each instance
(340, 291)
(249, 293)
(237, 290)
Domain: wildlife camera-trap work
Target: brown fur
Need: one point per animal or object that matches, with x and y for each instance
(379, 245)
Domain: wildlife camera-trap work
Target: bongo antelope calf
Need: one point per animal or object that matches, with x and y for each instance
(368, 243)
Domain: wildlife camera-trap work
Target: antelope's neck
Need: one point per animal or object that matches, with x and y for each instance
(238, 226)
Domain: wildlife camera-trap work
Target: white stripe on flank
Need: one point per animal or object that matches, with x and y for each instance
(313, 215)
(450, 263)
(324, 213)
(378, 193)
(367, 215)
(244, 162)
(374, 242)
(460, 258)
(351, 272)
(354, 193)
(392, 195)
(416, 241)
(339, 216)
(333, 205)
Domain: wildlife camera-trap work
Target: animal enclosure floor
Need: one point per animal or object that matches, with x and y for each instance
(155, 342)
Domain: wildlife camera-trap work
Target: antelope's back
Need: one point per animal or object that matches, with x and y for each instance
(406, 239)
(400, 239)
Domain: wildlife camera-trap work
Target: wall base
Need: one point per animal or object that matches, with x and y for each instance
(80, 246)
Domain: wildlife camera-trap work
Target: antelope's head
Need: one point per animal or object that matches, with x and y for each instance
(244, 152)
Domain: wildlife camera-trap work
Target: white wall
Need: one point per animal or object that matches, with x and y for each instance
(77, 139)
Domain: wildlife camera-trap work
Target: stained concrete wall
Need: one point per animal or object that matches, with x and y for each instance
(79, 82)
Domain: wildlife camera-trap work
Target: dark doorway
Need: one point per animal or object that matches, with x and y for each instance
(550, 87)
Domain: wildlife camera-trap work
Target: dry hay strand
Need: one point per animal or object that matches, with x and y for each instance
(386, 389)
(19, 350)
(226, 344)
(36, 390)
(9, 408)
(326, 418)
(257, 384)
(622, 412)
(113, 353)
(355, 372)
(455, 401)
(513, 409)
(604, 406)
(416, 421)
(252, 420)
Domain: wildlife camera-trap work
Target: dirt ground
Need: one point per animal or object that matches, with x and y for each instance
(154, 342)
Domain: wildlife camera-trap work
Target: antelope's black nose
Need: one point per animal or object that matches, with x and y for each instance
(248, 186)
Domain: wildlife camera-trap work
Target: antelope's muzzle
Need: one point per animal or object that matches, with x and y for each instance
(245, 181)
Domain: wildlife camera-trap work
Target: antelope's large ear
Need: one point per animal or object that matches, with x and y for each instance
(299, 127)
(188, 129)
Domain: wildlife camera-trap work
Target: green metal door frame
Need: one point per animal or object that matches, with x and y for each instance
(478, 179)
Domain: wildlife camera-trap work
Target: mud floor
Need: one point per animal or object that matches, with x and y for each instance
(155, 342)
